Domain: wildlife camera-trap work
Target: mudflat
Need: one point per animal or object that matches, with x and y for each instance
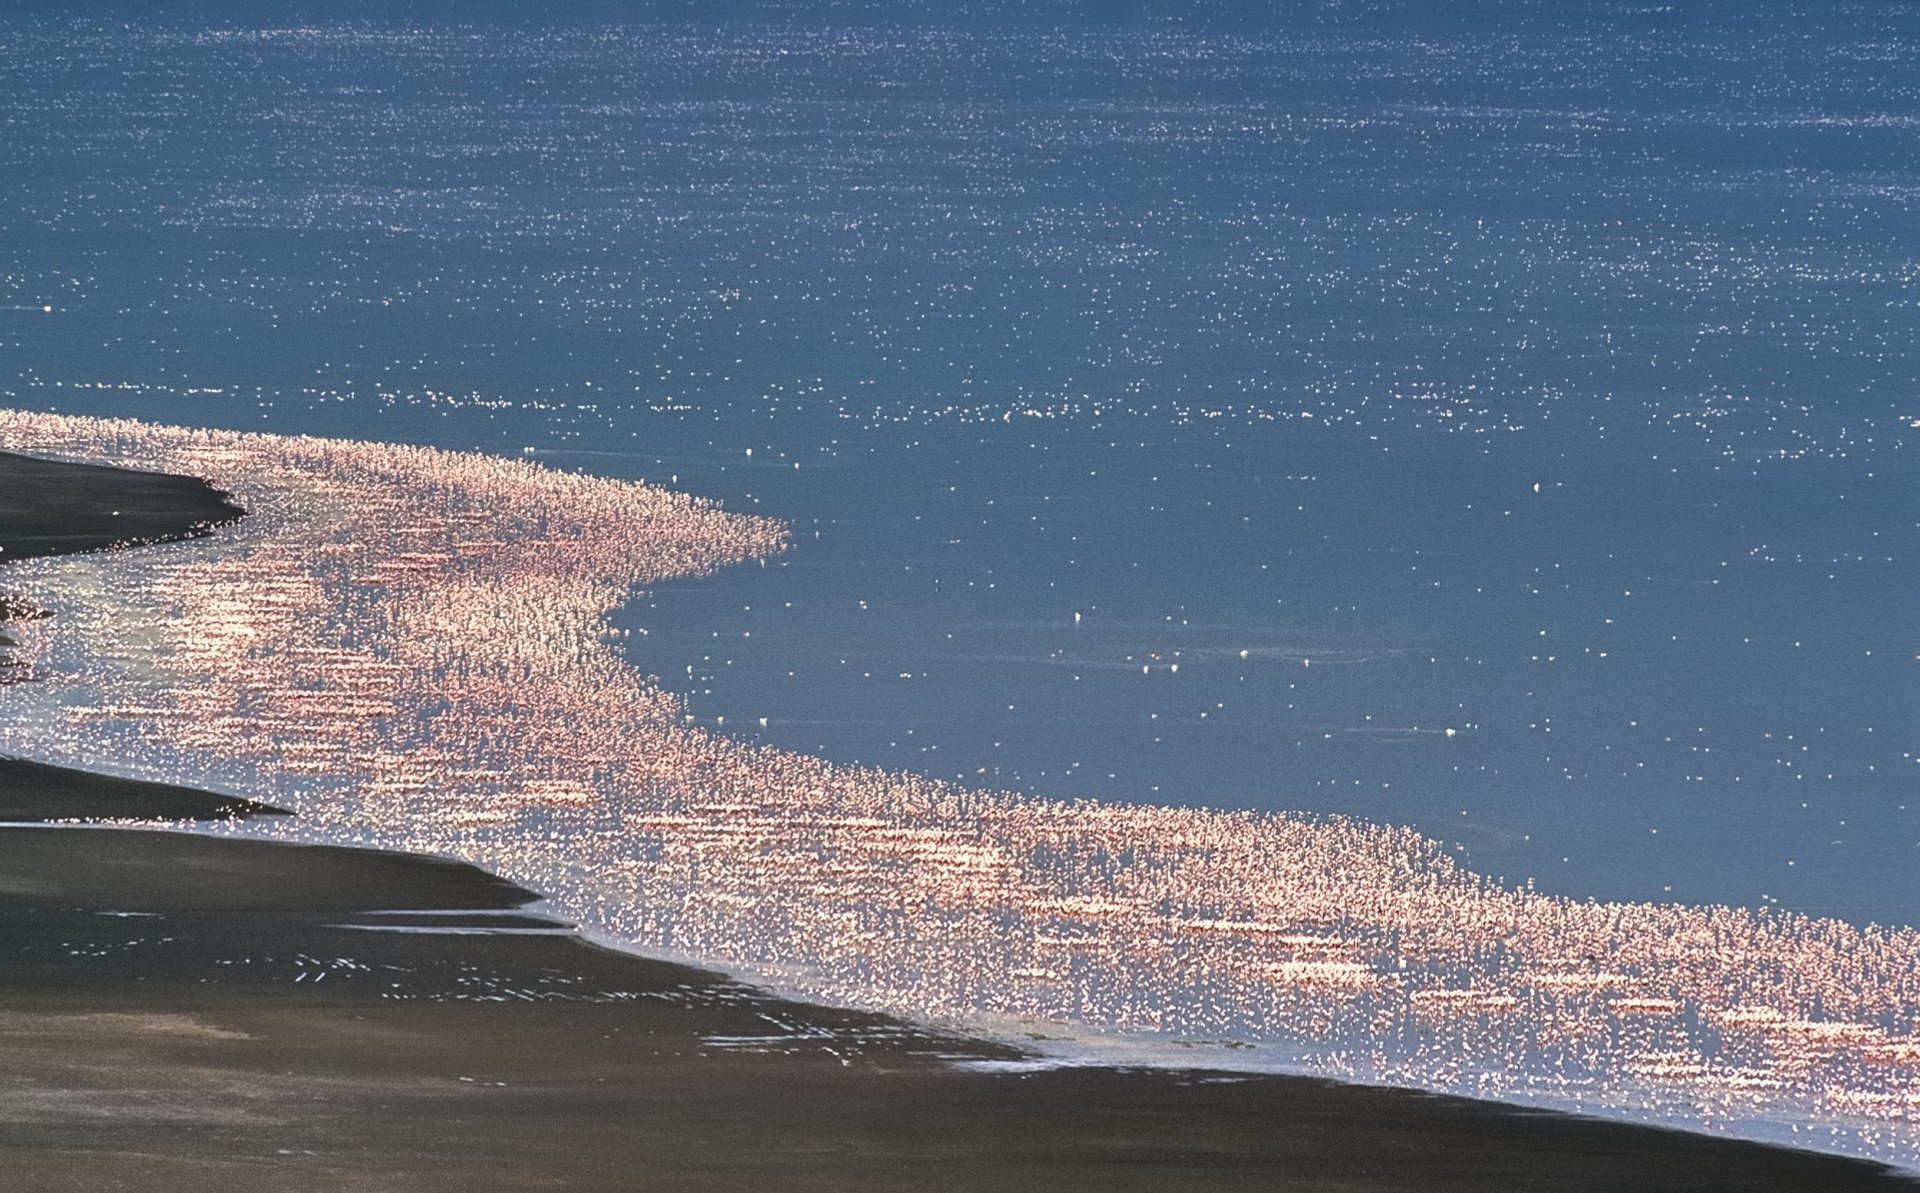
(191, 1012)
(36, 791)
(52, 507)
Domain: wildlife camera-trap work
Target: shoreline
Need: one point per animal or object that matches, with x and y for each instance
(33, 791)
(320, 1014)
(1101, 1118)
(55, 507)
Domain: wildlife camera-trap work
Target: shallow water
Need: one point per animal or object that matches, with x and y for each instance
(1593, 686)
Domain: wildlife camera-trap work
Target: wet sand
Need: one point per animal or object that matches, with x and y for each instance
(34, 791)
(49, 507)
(181, 1011)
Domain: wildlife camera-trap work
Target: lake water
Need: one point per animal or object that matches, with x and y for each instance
(1503, 427)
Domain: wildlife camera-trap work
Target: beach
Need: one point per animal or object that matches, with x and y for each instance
(191, 1011)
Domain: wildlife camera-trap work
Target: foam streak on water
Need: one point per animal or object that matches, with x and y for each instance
(406, 647)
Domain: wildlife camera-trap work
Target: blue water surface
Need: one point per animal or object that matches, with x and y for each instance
(1498, 420)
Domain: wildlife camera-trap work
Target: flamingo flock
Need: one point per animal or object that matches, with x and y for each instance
(407, 647)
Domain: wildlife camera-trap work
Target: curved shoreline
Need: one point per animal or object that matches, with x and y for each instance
(1270, 1094)
(325, 1017)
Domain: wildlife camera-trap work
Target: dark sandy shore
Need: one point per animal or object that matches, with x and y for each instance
(52, 508)
(189, 1012)
(33, 791)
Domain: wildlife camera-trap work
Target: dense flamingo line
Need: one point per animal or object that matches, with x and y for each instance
(406, 647)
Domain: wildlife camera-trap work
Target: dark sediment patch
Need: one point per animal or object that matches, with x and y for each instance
(35, 791)
(50, 507)
(180, 1011)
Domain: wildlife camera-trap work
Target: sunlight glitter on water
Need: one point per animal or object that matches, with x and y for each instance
(407, 648)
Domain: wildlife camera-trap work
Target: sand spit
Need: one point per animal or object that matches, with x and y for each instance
(32, 792)
(405, 647)
(49, 507)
